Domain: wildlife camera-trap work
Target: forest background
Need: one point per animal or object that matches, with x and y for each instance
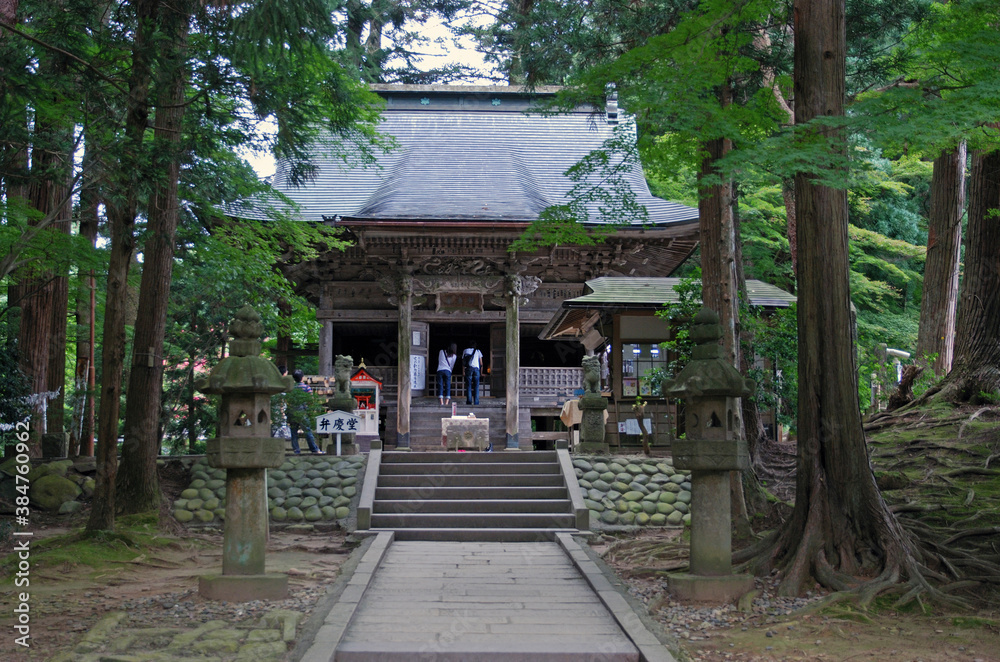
(124, 128)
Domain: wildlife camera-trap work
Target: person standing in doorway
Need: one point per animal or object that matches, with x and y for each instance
(472, 360)
(446, 366)
(299, 417)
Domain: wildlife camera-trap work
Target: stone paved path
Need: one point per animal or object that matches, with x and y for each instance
(474, 601)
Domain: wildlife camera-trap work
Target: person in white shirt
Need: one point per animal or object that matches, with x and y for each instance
(446, 366)
(472, 359)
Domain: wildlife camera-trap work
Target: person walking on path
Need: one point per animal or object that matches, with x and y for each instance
(298, 416)
(472, 360)
(446, 366)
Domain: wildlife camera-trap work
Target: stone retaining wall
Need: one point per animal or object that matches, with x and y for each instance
(633, 491)
(306, 488)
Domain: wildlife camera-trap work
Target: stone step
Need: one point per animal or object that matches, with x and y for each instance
(457, 506)
(483, 467)
(471, 480)
(473, 521)
(479, 534)
(413, 457)
(442, 493)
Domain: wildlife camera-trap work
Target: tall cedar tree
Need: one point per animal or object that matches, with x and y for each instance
(840, 528)
(137, 483)
(121, 212)
(936, 333)
(975, 375)
(42, 293)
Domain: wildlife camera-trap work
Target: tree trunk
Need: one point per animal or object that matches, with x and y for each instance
(35, 296)
(121, 223)
(56, 374)
(283, 343)
(352, 36)
(791, 224)
(936, 334)
(753, 426)
(82, 427)
(721, 272)
(840, 527)
(521, 72)
(43, 290)
(137, 483)
(975, 374)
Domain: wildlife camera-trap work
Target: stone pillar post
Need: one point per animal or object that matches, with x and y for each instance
(326, 349)
(404, 300)
(512, 296)
(592, 407)
(245, 381)
(245, 535)
(711, 529)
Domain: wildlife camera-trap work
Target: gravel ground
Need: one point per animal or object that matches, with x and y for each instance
(696, 623)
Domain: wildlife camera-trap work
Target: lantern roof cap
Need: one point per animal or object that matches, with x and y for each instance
(708, 373)
(244, 370)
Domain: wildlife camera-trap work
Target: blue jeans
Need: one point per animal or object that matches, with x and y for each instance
(444, 384)
(294, 425)
(472, 386)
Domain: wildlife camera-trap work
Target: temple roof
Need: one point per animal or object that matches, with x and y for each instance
(471, 154)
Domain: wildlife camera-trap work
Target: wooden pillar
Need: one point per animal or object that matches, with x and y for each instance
(404, 300)
(326, 349)
(512, 364)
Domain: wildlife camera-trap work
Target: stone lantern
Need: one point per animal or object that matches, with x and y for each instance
(711, 449)
(245, 448)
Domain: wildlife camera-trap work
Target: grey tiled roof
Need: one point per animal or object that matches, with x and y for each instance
(464, 155)
(612, 291)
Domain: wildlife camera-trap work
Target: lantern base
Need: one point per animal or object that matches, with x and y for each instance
(720, 589)
(243, 588)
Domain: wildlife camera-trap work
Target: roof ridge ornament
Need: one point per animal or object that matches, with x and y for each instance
(611, 103)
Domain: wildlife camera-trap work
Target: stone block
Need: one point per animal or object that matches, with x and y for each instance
(722, 589)
(466, 433)
(243, 588)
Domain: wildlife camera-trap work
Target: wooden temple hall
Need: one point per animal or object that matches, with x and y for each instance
(431, 227)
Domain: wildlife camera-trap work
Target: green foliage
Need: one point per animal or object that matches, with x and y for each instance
(679, 316)
(946, 86)
(770, 343)
(14, 386)
(303, 407)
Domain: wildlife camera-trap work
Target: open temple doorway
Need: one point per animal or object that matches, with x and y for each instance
(443, 334)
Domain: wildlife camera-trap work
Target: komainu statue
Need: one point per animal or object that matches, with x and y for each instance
(342, 374)
(591, 374)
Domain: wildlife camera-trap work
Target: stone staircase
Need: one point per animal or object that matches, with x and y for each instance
(490, 497)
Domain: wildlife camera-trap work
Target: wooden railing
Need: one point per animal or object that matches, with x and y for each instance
(556, 384)
(549, 385)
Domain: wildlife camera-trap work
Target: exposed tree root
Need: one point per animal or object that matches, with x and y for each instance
(961, 428)
(911, 417)
(975, 471)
